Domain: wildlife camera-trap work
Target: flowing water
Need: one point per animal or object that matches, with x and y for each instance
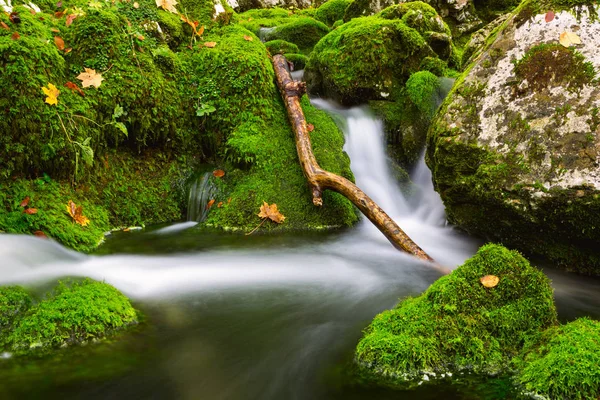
(255, 317)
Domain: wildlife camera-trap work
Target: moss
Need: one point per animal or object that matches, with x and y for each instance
(74, 313)
(363, 8)
(434, 65)
(197, 10)
(363, 58)
(562, 362)
(417, 15)
(550, 65)
(299, 60)
(458, 323)
(14, 302)
(421, 88)
(281, 47)
(337, 23)
(253, 20)
(332, 11)
(304, 32)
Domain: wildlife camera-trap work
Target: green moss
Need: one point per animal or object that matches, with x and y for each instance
(434, 65)
(332, 11)
(550, 65)
(299, 60)
(253, 20)
(421, 88)
(14, 302)
(197, 10)
(562, 362)
(337, 23)
(304, 32)
(458, 323)
(73, 314)
(281, 47)
(417, 15)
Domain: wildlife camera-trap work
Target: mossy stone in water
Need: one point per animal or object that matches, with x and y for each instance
(299, 60)
(72, 314)
(458, 323)
(281, 47)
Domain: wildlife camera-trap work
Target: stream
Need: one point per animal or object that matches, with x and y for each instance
(257, 317)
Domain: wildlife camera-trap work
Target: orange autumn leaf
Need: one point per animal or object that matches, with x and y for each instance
(59, 43)
(568, 39)
(15, 36)
(51, 93)
(25, 202)
(549, 16)
(4, 26)
(30, 211)
(70, 19)
(248, 38)
(200, 31)
(210, 44)
(229, 200)
(271, 212)
(77, 214)
(74, 88)
(59, 14)
(54, 30)
(489, 281)
(90, 78)
(310, 127)
(218, 173)
(220, 204)
(40, 234)
(210, 204)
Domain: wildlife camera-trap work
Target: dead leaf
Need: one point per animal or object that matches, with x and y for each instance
(229, 200)
(59, 14)
(220, 204)
(136, 5)
(67, 51)
(140, 37)
(271, 212)
(310, 127)
(70, 19)
(490, 281)
(25, 202)
(52, 94)
(200, 31)
(568, 39)
(168, 5)
(77, 214)
(59, 4)
(74, 88)
(549, 16)
(15, 36)
(210, 204)
(59, 43)
(30, 211)
(90, 78)
(210, 44)
(54, 30)
(32, 11)
(40, 234)
(248, 38)
(4, 26)
(218, 173)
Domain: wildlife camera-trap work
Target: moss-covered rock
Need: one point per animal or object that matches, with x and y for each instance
(514, 149)
(14, 302)
(298, 60)
(562, 362)
(72, 314)
(281, 47)
(458, 323)
(304, 32)
(332, 11)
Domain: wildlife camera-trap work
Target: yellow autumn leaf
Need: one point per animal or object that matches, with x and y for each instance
(569, 39)
(77, 214)
(271, 212)
(52, 94)
(168, 5)
(90, 78)
(489, 281)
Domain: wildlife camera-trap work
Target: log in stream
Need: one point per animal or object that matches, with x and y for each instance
(319, 179)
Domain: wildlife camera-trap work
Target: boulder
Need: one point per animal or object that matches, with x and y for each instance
(515, 149)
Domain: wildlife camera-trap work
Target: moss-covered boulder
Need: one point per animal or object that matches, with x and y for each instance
(14, 302)
(458, 323)
(332, 11)
(562, 362)
(304, 32)
(72, 314)
(514, 150)
(281, 47)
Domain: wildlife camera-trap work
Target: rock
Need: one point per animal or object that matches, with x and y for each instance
(245, 5)
(515, 149)
(477, 41)
(304, 32)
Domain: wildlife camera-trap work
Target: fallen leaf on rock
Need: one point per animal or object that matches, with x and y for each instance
(30, 211)
(59, 43)
(168, 5)
(490, 281)
(74, 88)
(271, 212)
(52, 94)
(70, 19)
(25, 202)
(210, 204)
(210, 44)
(4, 26)
(569, 39)
(15, 36)
(40, 234)
(549, 16)
(77, 213)
(218, 173)
(90, 78)
(248, 38)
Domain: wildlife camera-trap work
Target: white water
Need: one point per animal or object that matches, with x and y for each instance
(360, 261)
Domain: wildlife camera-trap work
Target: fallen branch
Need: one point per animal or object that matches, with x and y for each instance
(319, 179)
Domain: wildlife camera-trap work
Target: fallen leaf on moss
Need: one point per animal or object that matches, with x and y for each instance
(271, 212)
(30, 211)
(54, 30)
(568, 39)
(67, 51)
(220, 204)
(52, 94)
(59, 14)
(210, 44)
(248, 38)
(40, 234)
(77, 213)
(549, 16)
(15, 36)
(229, 200)
(136, 5)
(218, 173)
(310, 127)
(168, 5)
(140, 37)
(25, 202)
(70, 19)
(210, 204)
(490, 281)
(90, 78)
(74, 88)
(4, 26)
(59, 43)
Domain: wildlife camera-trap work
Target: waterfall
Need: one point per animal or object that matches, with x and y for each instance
(202, 191)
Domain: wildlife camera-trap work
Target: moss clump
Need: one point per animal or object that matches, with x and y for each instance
(72, 314)
(14, 302)
(421, 89)
(434, 65)
(562, 362)
(299, 60)
(550, 65)
(281, 47)
(332, 11)
(418, 15)
(255, 19)
(458, 323)
(304, 32)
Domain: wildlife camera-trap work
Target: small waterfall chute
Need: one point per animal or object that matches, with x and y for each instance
(202, 190)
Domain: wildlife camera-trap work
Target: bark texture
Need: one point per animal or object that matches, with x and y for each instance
(319, 179)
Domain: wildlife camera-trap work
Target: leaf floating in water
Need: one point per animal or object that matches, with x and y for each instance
(218, 173)
(490, 281)
(568, 39)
